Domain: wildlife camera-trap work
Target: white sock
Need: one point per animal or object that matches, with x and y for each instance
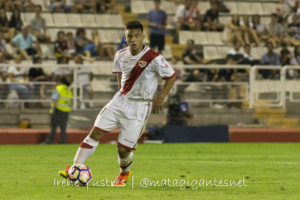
(125, 163)
(86, 149)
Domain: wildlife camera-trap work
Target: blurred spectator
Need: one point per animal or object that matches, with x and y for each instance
(83, 47)
(190, 55)
(11, 5)
(71, 44)
(36, 74)
(198, 18)
(250, 34)
(4, 24)
(211, 19)
(185, 18)
(294, 30)
(179, 75)
(195, 76)
(248, 58)
(106, 6)
(285, 57)
(19, 80)
(97, 48)
(39, 26)
(295, 60)
(235, 30)
(4, 89)
(84, 78)
(185, 109)
(123, 43)
(269, 58)
(63, 72)
(24, 42)
(60, 45)
(58, 6)
(15, 22)
(275, 30)
(296, 56)
(258, 29)
(157, 23)
(234, 55)
(85, 5)
(3, 48)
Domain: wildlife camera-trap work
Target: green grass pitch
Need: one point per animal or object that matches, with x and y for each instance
(269, 170)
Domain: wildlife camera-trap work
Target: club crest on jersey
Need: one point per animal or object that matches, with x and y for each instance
(142, 64)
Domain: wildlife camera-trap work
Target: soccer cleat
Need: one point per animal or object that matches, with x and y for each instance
(64, 173)
(122, 179)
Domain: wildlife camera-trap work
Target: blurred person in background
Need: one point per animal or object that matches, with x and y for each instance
(17, 76)
(269, 58)
(71, 45)
(38, 24)
(15, 22)
(3, 48)
(190, 55)
(211, 19)
(24, 42)
(157, 23)
(81, 6)
(84, 46)
(123, 43)
(275, 31)
(185, 19)
(106, 6)
(60, 46)
(58, 6)
(4, 25)
(36, 74)
(185, 109)
(84, 78)
(60, 109)
(250, 35)
(257, 29)
(234, 55)
(236, 31)
(4, 89)
(63, 72)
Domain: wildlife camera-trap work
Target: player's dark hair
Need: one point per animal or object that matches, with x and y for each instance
(59, 32)
(134, 25)
(38, 6)
(79, 31)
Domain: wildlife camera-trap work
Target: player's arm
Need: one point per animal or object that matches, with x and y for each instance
(119, 77)
(159, 101)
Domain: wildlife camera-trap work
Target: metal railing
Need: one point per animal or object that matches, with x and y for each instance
(201, 92)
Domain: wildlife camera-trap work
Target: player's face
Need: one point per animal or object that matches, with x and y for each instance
(134, 39)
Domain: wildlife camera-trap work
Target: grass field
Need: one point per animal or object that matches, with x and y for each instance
(270, 171)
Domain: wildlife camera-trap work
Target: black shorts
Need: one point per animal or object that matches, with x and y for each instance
(157, 40)
(31, 51)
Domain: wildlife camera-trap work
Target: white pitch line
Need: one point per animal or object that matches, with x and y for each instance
(239, 162)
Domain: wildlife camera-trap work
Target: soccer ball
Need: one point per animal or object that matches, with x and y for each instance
(79, 174)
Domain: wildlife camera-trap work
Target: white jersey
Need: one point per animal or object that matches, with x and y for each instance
(140, 72)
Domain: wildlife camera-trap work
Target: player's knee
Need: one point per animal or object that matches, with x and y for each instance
(96, 134)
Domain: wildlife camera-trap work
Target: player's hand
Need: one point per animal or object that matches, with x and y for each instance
(157, 104)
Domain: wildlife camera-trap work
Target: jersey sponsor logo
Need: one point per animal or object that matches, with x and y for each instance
(142, 64)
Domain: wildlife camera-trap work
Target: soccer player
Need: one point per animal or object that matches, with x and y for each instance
(137, 68)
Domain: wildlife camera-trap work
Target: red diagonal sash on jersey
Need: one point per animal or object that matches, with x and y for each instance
(137, 70)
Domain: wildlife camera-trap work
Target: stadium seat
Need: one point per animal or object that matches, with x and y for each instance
(48, 18)
(204, 6)
(88, 20)
(112, 36)
(277, 50)
(47, 69)
(88, 33)
(184, 36)
(60, 19)
(102, 20)
(223, 51)
(167, 52)
(199, 37)
(169, 22)
(53, 33)
(255, 54)
(214, 38)
(210, 53)
(146, 40)
(261, 51)
(8, 15)
(149, 5)
(269, 8)
(74, 20)
(102, 36)
(169, 7)
(101, 85)
(116, 21)
(264, 21)
(243, 8)
(28, 16)
(256, 8)
(138, 7)
(232, 7)
(121, 32)
(224, 19)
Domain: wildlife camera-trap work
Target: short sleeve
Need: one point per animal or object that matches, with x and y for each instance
(163, 68)
(117, 67)
(55, 95)
(16, 40)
